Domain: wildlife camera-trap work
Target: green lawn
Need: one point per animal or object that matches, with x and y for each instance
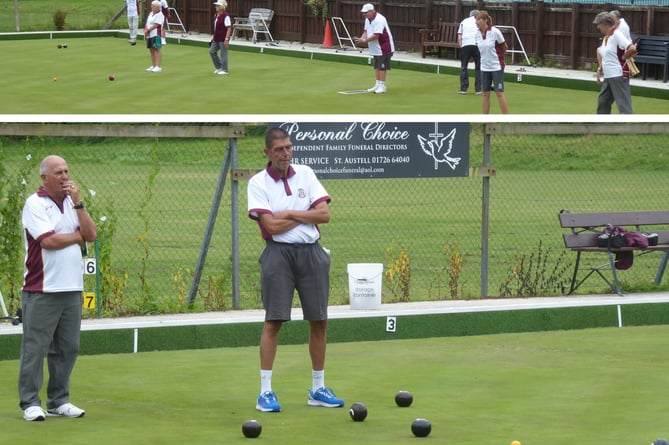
(75, 81)
(38, 15)
(549, 388)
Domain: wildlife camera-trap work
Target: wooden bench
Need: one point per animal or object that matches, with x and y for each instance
(584, 228)
(653, 50)
(257, 22)
(444, 37)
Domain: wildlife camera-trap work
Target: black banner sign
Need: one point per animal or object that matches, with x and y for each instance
(339, 150)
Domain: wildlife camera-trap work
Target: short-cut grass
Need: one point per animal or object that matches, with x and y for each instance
(75, 81)
(549, 388)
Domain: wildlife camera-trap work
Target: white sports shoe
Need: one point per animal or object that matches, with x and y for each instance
(34, 414)
(372, 89)
(380, 89)
(222, 72)
(156, 69)
(150, 68)
(67, 410)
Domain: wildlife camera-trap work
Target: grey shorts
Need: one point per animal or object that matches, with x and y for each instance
(382, 62)
(285, 268)
(492, 80)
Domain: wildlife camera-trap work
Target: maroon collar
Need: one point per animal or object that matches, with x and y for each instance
(275, 176)
(42, 193)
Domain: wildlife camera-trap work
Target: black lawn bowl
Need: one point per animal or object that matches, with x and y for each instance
(403, 399)
(421, 427)
(251, 429)
(358, 412)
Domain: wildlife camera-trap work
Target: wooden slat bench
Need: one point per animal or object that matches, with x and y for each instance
(444, 37)
(653, 50)
(584, 228)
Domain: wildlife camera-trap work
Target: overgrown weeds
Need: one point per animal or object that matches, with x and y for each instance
(398, 273)
(537, 274)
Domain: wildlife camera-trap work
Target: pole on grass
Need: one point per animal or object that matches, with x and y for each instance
(17, 28)
(197, 275)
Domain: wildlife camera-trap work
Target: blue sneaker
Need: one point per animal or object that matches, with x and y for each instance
(324, 397)
(267, 402)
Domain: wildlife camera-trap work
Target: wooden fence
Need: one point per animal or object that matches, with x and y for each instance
(554, 33)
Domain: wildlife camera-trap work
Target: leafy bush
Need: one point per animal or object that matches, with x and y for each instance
(59, 19)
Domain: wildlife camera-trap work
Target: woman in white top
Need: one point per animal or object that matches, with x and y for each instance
(492, 47)
(152, 31)
(610, 73)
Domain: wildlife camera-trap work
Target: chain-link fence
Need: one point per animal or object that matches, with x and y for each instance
(152, 198)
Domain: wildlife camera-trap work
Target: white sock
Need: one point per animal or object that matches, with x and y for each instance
(317, 379)
(265, 381)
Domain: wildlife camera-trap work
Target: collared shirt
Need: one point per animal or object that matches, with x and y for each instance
(300, 190)
(611, 66)
(155, 18)
(50, 270)
(624, 28)
(492, 58)
(468, 30)
(385, 44)
(132, 7)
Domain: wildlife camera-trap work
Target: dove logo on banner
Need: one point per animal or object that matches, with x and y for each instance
(439, 148)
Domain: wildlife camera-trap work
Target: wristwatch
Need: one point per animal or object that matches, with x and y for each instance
(79, 206)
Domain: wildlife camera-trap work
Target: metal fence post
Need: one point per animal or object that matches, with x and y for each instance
(234, 218)
(485, 216)
(210, 223)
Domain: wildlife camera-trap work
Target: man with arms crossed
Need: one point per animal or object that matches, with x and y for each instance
(56, 228)
(289, 202)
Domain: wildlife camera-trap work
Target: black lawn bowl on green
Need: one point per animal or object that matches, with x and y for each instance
(251, 429)
(358, 412)
(421, 427)
(403, 399)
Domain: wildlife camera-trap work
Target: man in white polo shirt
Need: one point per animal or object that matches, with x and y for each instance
(56, 228)
(289, 202)
(379, 40)
(469, 50)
